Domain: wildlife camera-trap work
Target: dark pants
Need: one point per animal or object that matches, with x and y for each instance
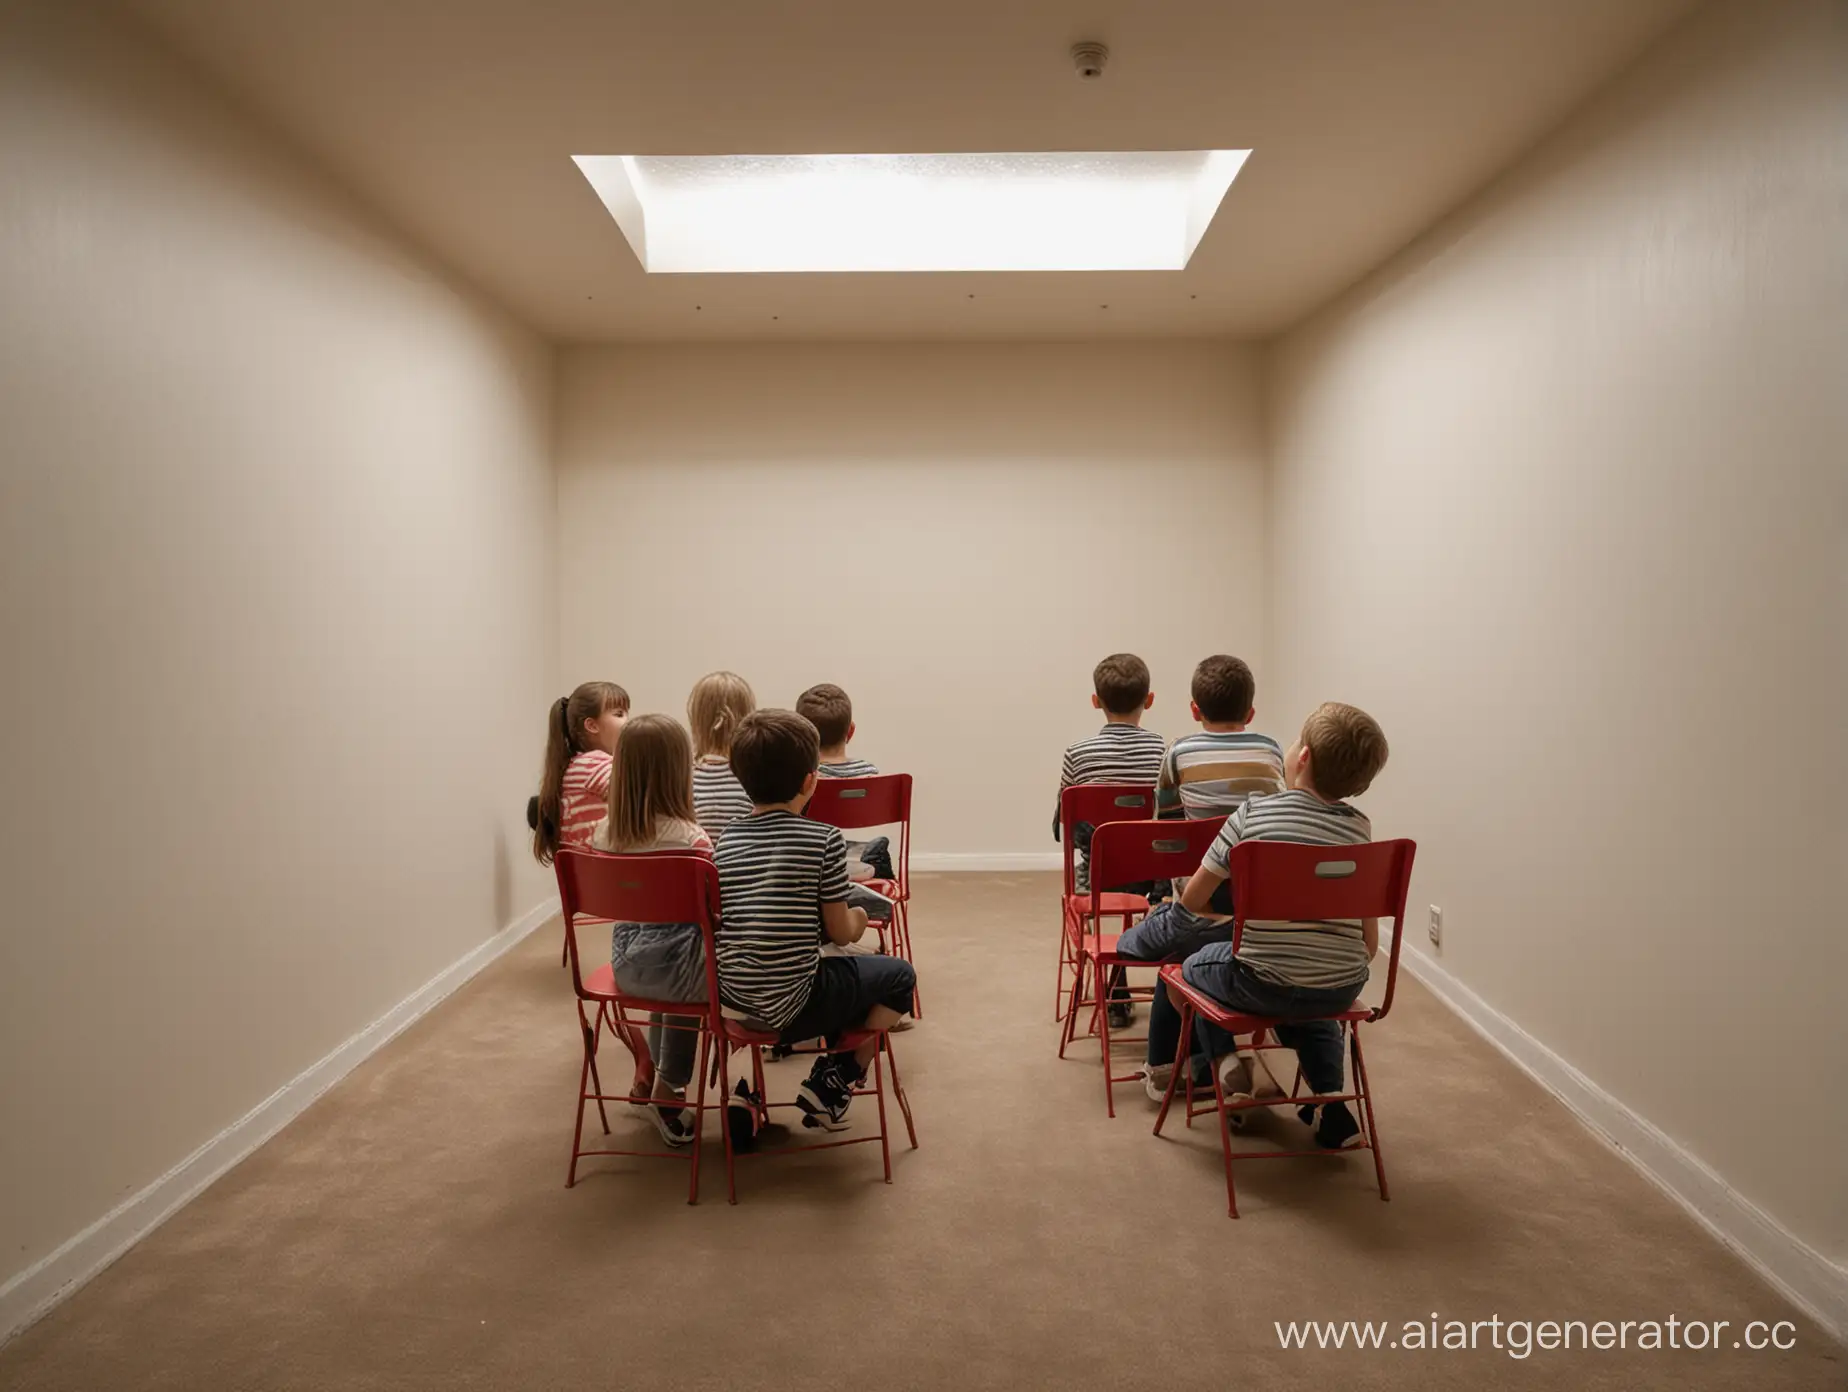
(1215, 972)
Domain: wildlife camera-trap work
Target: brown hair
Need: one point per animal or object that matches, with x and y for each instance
(1347, 749)
(1122, 683)
(718, 702)
(1223, 688)
(564, 737)
(772, 753)
(652, 781)
(829, 710)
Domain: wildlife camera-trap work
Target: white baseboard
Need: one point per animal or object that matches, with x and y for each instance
(1805, 1276)
(985, 860)
(33, 1292)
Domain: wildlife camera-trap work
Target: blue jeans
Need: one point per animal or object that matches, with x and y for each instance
(1170, 931)
(664, 961)
(1215, 972)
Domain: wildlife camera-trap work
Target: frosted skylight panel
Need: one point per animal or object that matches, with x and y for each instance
(1098, 211)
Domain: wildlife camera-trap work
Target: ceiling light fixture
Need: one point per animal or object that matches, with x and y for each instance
(1133, 210)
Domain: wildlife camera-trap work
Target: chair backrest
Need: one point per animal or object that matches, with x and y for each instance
(1283, 880)
(881, 800)
(1098, 804)
(1130, 852)
(679, 886)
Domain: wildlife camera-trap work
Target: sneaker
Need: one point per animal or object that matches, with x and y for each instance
(741, 1115)
(1121, 1014)
(824, 1096)
(901, 1024)
(1235, 1083)
(1155, 1078)
(1337, 1129)
(674, 1123)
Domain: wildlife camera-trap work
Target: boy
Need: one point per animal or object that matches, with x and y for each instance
(830, 711)
(783, 886)
(1209, 774)
(1121, 752)
(1286, 969)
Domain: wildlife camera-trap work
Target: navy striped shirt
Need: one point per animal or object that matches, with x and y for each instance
(776, 870)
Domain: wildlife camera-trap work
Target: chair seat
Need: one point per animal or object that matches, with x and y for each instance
(601, 985)
(743, 1032)
(891, 889)
(1236, 1022)
(1108, 904)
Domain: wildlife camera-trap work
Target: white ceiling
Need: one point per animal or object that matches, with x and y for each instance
(458, 119)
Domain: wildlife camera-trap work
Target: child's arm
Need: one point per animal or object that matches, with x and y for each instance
(1370, 935)
(842, 924)
(1168, 789)
(839, 923)
(1197, 898)
(1067, 777)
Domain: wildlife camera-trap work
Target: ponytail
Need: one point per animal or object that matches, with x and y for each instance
(564, 737)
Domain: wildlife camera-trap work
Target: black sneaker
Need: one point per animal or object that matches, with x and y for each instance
(741, 1114)
(877, 854)
(824, 1096)
(1121, 1014)
(1337, 1130)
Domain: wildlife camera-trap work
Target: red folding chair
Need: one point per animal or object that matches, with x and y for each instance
(1277, 880)
(1098, 804)
(1125, 853)
(884, 800)
(741, 1034)
(663, 887)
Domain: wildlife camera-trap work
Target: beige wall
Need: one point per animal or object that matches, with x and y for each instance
(953, 533)
(1559, 495)
(275, 522)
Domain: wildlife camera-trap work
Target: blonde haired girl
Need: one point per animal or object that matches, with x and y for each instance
(720, 700)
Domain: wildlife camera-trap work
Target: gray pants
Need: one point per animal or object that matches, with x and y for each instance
(664, 961)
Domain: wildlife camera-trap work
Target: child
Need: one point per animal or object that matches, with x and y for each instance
(830, 711)
(783, 883)
(574, 788)
(1286, 969)
(719, 701)
(651, 809)
(1121, 752)
(1208, 774)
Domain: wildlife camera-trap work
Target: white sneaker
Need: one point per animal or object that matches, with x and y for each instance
(903, 1023)
(1235, 1082)
(1155, 1078)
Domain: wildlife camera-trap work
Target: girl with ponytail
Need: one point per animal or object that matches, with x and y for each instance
(574, 788)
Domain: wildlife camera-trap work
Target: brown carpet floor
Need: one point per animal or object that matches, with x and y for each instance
(412, 1229)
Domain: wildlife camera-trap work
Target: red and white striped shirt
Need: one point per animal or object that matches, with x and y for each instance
(586, 798)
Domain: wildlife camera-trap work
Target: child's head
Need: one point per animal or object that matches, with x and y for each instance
(827, 708)
(774, 755)
(652, 780)
(1223, 688)
(720, 700)
(589, 718)
(1339, 753)
(1121, 684)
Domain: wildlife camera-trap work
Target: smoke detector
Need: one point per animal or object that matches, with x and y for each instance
(1089, 59)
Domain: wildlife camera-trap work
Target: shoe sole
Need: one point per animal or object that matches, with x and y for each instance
(677, 1140)
(823, 1119)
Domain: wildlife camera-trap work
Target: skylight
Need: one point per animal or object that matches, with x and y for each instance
(1139, 210)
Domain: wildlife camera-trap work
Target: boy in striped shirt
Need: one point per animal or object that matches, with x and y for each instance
(782, 888)
(1207, 774)
(1286, 970)
(1121, 752)
(830, 711)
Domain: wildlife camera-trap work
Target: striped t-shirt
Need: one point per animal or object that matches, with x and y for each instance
(776, 870)
(719, 799)
(585, 799)
(1210, 773)
(1322, 954)
(848, 768)
(1115, 754)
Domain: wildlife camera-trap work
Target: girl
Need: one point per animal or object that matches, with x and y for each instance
(651, 809)
(719, 701)
(573, 790)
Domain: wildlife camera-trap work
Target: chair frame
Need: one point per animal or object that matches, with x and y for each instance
(1099, 804)
(1274, 880)
(877, 800)
(1126, 852)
